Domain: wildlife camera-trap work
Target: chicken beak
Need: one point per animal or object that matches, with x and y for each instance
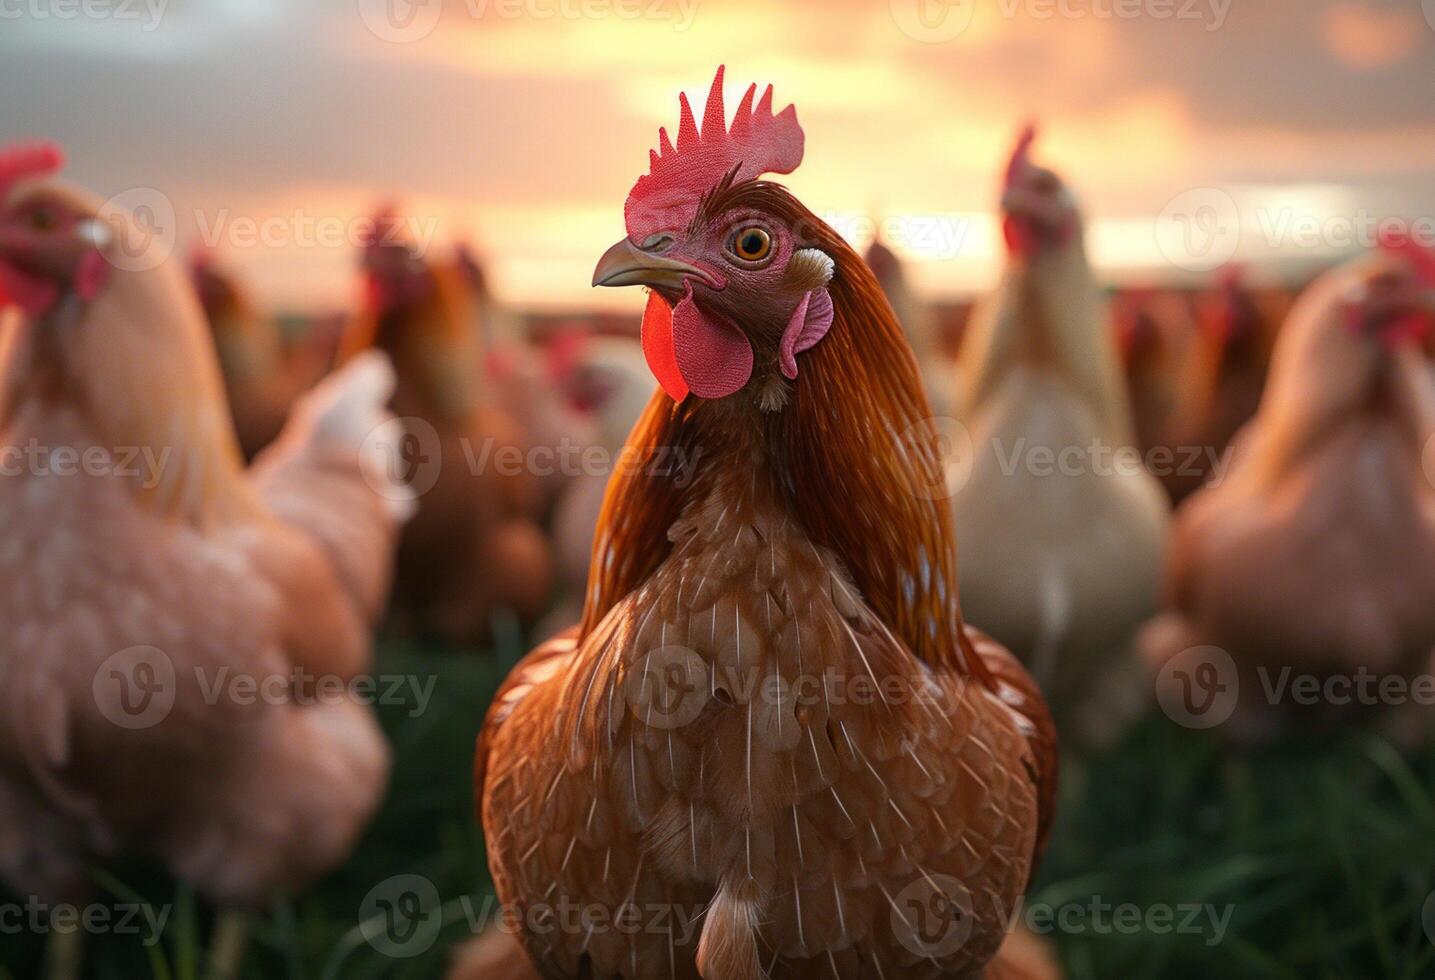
(625, 264)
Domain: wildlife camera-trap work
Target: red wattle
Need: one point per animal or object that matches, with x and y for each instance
(91, 275)
(1018, 238)
(657, 337)
(1410, 328)
(714, 357)
(30, 293)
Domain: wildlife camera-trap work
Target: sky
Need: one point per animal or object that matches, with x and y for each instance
(1274, 132)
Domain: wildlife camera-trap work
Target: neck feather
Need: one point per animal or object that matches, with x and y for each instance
(853, 457)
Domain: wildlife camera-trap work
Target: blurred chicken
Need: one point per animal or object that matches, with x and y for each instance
(1223, 374)
(136, 583)
(473, 550)
(262, 374)
(1062, 528)
(1317, 552)
(609, 381)
(918, 323)
(699, 742)
(1153, 328)
(517, 373)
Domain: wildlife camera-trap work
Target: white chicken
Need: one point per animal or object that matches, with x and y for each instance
(1062, 528)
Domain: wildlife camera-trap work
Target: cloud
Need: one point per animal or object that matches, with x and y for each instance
(527, 131)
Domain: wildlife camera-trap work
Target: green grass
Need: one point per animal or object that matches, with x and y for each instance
(1322, 853)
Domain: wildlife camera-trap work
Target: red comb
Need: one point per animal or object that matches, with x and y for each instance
(1420, 256)
(678, 176)
(1416, 325)
(28, 160)
(1021, 153)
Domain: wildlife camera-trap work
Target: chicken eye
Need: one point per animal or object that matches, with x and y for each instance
(42, 220)
(752, 244)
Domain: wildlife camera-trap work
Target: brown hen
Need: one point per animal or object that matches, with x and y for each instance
(772, 738)
(1222, 377)
(169, 614)
(1316, 555)
(473, 551)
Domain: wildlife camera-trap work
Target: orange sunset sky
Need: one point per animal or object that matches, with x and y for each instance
(521, 124)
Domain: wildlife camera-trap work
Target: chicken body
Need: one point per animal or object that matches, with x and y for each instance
(1316, 554)
(1062, 528)
(522, 385)
(691, 762)
(474, 547)
(149, 588)
(526, 391)
(262, 377)
(610, 378)
(242, 800)
(1153, 330)
(1224, 373)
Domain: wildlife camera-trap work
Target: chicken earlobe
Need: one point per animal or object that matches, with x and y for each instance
(809, 324)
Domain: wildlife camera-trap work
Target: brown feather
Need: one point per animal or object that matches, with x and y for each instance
(796, 826)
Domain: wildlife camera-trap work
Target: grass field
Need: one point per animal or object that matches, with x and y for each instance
(1171, 858)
